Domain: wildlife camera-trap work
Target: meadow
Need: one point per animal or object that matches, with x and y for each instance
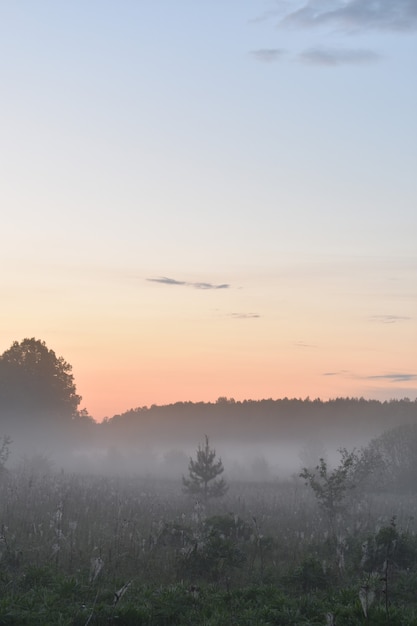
(89, 549)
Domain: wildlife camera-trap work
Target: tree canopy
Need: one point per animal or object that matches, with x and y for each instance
(203, 473)
(33, 380)
(397, 450)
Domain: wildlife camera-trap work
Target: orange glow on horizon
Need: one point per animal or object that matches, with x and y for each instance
(105, 395)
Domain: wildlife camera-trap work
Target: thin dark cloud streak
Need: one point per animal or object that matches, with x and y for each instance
(332, 57)
(356, 15)
(303, 344)
(268, 55)
(396, 378)
(337, 373)
(389, 319)
(208, 286)
(164, 280)
(245, 316)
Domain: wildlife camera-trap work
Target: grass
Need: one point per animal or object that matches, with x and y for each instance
(87, 550)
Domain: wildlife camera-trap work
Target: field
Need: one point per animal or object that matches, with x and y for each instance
(79, 550)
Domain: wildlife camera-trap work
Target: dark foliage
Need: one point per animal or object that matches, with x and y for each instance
(203, 472)
(33, 380)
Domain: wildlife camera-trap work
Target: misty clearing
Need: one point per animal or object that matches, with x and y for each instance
(297, 514)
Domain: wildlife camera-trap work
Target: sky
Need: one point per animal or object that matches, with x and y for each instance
(213, 198)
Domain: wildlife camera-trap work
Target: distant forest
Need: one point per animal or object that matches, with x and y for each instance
(262, 420)
(39, 410)
(134, 504)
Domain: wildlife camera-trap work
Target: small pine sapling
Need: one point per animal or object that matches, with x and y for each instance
(203, 472)
(5, 441)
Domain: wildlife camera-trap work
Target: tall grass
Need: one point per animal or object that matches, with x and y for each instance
(107, 537)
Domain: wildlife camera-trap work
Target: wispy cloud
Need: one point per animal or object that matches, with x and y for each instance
(392, 377)
(244, 316)
(268, 55)
(208, 286)
(303, 344)
(355, 15)
(340, 18)
(388, 319)
(337, 373)
(337, 56)
(395, 378)
(164, 280)
(267, 15)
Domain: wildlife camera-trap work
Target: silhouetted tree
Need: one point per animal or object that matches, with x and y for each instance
(397, 451)
(331, 488)
(39, 402)
(5, 441)
(203, 473)
(33, 380)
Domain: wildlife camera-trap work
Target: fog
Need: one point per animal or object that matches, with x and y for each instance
(257, 441)
(106, 502)
(261, 461)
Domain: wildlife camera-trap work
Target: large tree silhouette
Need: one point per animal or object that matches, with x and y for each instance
(34, 381)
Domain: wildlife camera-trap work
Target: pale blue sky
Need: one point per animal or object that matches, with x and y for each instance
(270, 146)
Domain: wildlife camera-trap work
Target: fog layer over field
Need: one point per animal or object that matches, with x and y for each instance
(258, 441)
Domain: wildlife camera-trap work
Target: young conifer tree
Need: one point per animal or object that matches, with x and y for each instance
(203, 472)
(5, 441)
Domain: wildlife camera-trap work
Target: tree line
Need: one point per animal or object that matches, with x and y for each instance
(39, 404)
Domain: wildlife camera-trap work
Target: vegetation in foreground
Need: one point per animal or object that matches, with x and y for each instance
(80, 550)
(40, 410)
